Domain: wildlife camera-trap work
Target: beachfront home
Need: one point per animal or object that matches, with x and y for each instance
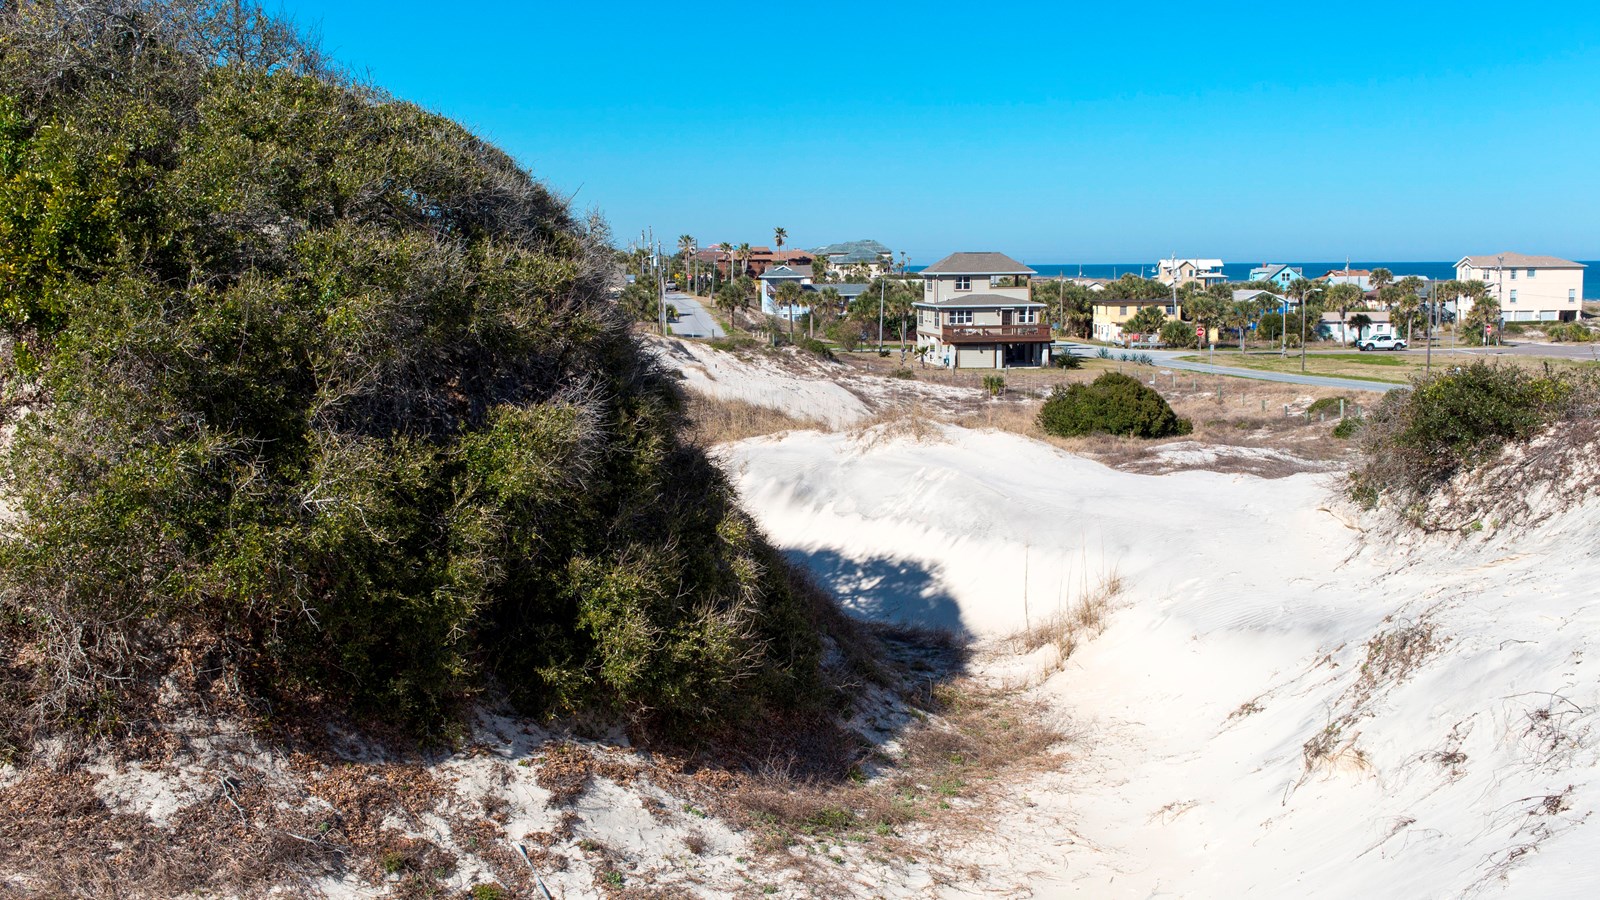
(1529, 288)
(1204, 272)
(976, 313)
(1361, 278)
(771, 279)
(1112, 313)
(1280, 275)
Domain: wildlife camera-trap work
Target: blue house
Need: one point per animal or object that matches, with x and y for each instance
(1282, 276)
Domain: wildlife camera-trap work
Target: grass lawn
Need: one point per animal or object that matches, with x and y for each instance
(1393, 368)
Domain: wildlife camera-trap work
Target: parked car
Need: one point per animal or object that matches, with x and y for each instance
(1381, 342)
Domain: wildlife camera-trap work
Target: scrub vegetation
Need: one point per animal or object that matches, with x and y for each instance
(1111, 404)
(327, 401)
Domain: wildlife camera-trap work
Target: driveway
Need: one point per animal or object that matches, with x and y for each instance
(693, 320)
(1169, 359)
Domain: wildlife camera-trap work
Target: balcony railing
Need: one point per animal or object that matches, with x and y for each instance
(988, 334)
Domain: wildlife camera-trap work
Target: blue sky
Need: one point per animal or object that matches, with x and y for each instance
(1113, 134)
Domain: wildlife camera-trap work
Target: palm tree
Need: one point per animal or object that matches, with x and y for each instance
(744, 258)
(728, 249)
(788, 297)
(686, 247)
(779, 235)
(1359, 322)
(1380, 277)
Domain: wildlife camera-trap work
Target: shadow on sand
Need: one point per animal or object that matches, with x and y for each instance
(885, 591)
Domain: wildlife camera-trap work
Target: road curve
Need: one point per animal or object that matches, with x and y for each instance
(1169, 359)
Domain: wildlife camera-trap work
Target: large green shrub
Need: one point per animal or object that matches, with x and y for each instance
(1111, 404)
(1418, 438)
(333, 401)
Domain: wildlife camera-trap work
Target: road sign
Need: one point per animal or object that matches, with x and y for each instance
(1200, 332)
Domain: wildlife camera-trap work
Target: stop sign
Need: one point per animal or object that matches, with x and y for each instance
(1200, 332)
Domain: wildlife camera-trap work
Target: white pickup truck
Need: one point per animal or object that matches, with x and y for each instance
(1381, 342)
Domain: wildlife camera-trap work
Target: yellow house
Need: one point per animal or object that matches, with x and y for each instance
(1111, 313)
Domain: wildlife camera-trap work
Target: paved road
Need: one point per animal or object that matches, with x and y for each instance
(693, 320)
(1169, 359)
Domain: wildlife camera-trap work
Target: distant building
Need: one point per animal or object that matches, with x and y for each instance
(1280, 275)
(1529, 288)
(1361, 278)
(1110, 314)
(772, 278)
(1204, 272)
(1093, 284)
(760, 260)
(1331, 329)
(976, 312)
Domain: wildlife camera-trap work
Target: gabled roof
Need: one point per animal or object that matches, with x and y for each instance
(983, 263)
(1349, 273)
(1252, 294)
(977, 300)
(1197, 263)
(1518, 261)
(781, 272)
(1272, 270)
(846, 290)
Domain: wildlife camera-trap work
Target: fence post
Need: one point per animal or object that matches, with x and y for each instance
(1341, 407)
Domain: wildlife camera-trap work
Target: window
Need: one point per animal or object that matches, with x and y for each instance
(1532, 272)
(1513, 274)
(963, 282)
(1513, 295)
(1122, 310)
(1027, 316)
(958, 317)
(1572, 295)
(927, 285)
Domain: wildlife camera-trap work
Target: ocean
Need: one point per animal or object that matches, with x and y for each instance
(1241, 271)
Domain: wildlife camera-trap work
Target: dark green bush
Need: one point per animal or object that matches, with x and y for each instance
(333, 400)
(1111, 404)
(814, 346)
(1418, 438)
(904, 373)
(1067, 361)
(1346, 428)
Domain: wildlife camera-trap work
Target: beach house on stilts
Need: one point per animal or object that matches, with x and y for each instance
(976, 313)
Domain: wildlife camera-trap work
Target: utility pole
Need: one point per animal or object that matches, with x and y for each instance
(883, 288)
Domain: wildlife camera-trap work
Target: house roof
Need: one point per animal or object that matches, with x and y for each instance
(785, 272)
(977, 300)
(1518, 261)
(1197, 263)
(1348, 273)
(1271, 270)
(847, 291)
(1377, 316)
(853, 257)
(982, 263)
(1252, 294)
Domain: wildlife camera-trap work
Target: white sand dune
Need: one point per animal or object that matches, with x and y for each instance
(1280, 706)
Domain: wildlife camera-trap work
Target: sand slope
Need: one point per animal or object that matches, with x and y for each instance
(1280, 706)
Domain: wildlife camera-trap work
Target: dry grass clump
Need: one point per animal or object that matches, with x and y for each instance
(1065, 629)
(1392, 655)
(913, 422)
(715, 420)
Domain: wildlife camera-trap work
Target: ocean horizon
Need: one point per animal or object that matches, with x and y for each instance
(1241, 271)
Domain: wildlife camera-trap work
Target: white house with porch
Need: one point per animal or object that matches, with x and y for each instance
(976, 312)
